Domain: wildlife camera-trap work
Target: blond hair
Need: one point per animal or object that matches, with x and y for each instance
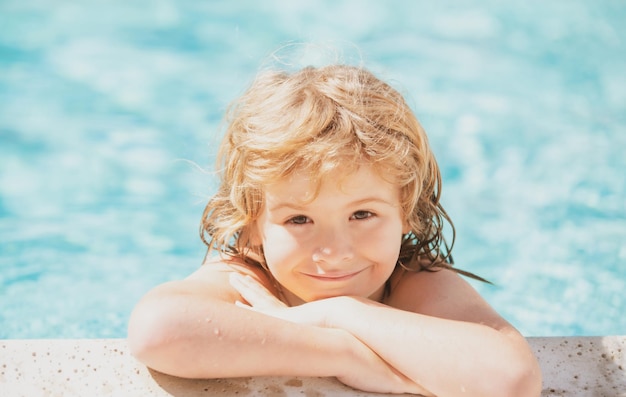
(322, 120)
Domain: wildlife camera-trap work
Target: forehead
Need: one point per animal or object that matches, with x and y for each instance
(301, 187)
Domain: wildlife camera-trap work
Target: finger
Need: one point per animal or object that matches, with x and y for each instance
(253, 292)
(245, 284)
(241, 304)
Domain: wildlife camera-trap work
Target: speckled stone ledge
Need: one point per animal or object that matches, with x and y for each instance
(572, 366)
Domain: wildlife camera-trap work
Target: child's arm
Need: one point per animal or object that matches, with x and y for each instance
(440, 333)
(456, 345)
(192, 328)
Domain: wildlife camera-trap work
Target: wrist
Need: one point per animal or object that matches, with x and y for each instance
(350, 353)
(338, 310)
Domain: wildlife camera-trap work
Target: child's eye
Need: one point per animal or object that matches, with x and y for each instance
(362, 215)
(298, 220)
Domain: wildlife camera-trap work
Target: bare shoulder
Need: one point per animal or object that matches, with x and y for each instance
(211, 280)
(217, 268)
(442, 293)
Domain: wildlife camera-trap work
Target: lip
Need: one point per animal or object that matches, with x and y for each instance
(333, 276)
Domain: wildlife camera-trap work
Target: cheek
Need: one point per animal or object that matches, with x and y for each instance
(278, 246)
(382, 242)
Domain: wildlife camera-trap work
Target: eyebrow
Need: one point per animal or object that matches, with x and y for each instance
(355, 203)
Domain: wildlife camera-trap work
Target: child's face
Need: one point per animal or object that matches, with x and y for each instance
(344, 242)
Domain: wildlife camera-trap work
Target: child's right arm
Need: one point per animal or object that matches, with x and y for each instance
(192, 328)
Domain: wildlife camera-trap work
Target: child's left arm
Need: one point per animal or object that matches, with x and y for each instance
(435, 329)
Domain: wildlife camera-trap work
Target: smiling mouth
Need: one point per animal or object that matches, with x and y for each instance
(334, 277)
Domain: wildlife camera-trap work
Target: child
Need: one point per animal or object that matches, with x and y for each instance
(328, 227)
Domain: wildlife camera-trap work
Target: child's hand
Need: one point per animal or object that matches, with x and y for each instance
(367, 370)
(370, 373)
(259, 299)
(256, 295)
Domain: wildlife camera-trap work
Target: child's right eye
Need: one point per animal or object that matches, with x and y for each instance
(298, 220)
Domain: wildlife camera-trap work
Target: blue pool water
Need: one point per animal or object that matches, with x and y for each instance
(109, 110)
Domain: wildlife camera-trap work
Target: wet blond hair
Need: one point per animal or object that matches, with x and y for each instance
(324, 120)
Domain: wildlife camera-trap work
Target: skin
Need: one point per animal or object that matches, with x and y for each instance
(323, 314)
(346, 241)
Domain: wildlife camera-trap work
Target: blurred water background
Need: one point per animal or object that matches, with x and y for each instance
(108, 110)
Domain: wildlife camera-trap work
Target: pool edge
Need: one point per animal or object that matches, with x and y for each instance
(571, 366)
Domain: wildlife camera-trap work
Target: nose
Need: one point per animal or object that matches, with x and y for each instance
(332, 248)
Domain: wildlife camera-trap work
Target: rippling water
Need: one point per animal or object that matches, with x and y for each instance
(109, 110)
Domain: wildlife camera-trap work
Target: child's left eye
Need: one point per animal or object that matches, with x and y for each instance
(298, 220)
(362, 215)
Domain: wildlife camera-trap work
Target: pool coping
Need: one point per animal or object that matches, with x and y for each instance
(571, 366)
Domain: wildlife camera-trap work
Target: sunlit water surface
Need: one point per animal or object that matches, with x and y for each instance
(108, 110)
